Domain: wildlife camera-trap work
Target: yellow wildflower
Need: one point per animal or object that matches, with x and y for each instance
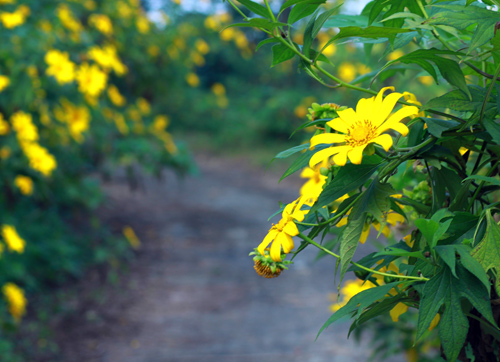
(397, 310)
(4, 126)
(395, 54)
(39, 158)
(193, 80)
(24, 184)
(76, 117)
(91, 80)
(202, 46)
(426, 80)
(4, 82)
(361, 127)
(154, 50)
(12, 239)
(67, 19)
(410, 98)
(280, 235)
(131, 237)
(347, 72)
(90, 5)
(392, 218)
(22, 123)
(120, 124)
(15, 299)
(323, 40)
(349, 290)
(102, 23)
(143, 106)
(107, 58)
(314, 186)
(12, 20)
(160, 123)
(60, 67)
(4, 152)
(116, 98)
(218, 89)
(142, 24)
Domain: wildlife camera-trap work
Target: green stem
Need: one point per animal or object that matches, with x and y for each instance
(337, 216)
(476, 193)
(238, 10)
(490, 88)
(321, 247)
(270, 11)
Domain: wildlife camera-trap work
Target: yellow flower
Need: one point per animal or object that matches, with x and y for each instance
(4, 126)
(143, 106)
(16, 300)
(131, 237)
(426, 80)
(102, 23)
(323, 40)
(361, 127)
(4, 82)
(4, 153)
(24, 184)
(347, 72)
(116, 98)
(91, 80)
(76, 117)
(202, 46)
(314, 186)
(12, 239)
(12, 20)
(435, 321)
(60, 67)
(39, 158)
(349, 290)
(107, 58)
(280, 235)
(392, 218)
(395, 54)
(397, 310)
(142, 24)
(192, 79)
(410, 98)
(154, 50)
(160, 123)
(218, 89)
(67, 19)
(23, 125)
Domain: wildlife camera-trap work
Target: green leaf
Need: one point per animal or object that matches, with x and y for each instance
(445, 289)
(359, 302)
(348, 179)
(374, 32)
(255, 8)
(310, 124)
(491, 180)
(292, 151)
(264, 42)
(322, 18)
(302, 161)
(458, 100)
(487, 251)
(401, 252)
(442, 180)
(493, 129)
(437, 126)
(342, 20)
(419, 207)
(432, 229)
(301, 10)
(281, 53)
(375, 200)
(349, 240)
(289, 3)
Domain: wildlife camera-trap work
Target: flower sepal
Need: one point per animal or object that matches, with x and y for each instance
(265, 266)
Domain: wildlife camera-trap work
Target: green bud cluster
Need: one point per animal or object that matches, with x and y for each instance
(323, 111)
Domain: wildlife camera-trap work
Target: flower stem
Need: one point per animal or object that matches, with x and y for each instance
(310, 241)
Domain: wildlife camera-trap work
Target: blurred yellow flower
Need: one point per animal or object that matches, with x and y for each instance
(107, 58)
(202, 46)
(18, 17)
(300, 111)
(116, 98)
(39, 158)
(4, 126)
(142, 24)
(22, 123)
(227, 34)
(91, 80)
(5, 2)
(397, 310)
(76, 117)
(4, 152)
(395, 54)
(160, 123)
(131, 237)
(102, 23)
(192, 79)
(15, 299)
(347, 72)
(12, 239)
(67, 19)
(363, 69)
(120, 124)
(60, 67)
(154, 50)
(90, 5)
(426, 80)
(323, 39)
(24, 184)
(349, 290)
(410, 98)
(218, 89)
(143, 106)
(198, 59)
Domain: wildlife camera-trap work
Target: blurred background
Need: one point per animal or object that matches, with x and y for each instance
(134, 141)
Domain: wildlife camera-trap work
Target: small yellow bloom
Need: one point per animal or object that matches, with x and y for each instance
(91, 80)
(160, 123)
(347, 72)
(22, 123)
(116, 98)
(12, 239)
(67, 18)
(39, 158)
(24, 184)
(15, 19)
(280, 235)
(16, 300)
(349, 290)
(131, 237)
(426, 80)
(142, 24)
(4, 82)
(395, 54)
(60, 67)
(193, 80)
(202, 46)
(76, 117)
(357, 129)
(4, 126)
(4, 152)
(102, 23)
(218, 89)
(398, 309)
(143, 106)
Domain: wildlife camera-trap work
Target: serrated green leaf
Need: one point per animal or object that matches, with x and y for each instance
(437, 126)
(493, 129)
(292, 151)
(255, 8)
(491, 180)
(349, 240)
(375, 200)
(458, 100)
(487, 251)
(359, 302)
(281, 53)
(349, 178)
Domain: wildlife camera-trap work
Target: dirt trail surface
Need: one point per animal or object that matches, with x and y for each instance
(192, 293)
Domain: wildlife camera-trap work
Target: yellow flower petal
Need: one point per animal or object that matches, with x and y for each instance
(356, 154)
(364, 235)
(364, 108)
(384, 140)
(322, 155)
(269, 237)
(435, 322)
(286, 242)
(275, 250)
(291, 229)
(346, 117)
(397, 117)
(398, 309)
(327, 138)
(394, 217)
(341, 158)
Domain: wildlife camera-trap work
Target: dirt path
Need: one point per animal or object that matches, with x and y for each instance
(192, 293)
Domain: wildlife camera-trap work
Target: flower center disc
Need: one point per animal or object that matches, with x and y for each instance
(359, 133)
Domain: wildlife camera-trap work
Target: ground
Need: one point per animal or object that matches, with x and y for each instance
(191, 293)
